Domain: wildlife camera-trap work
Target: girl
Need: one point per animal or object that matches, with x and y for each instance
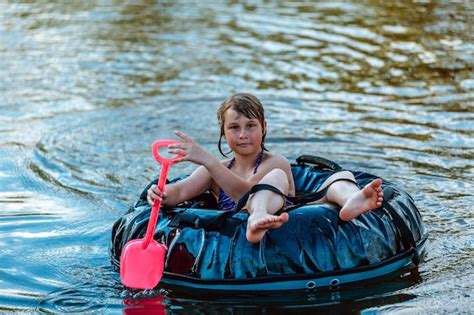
(243, 126)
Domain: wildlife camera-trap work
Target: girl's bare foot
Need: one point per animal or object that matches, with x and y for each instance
(369, 198)
(257, 225)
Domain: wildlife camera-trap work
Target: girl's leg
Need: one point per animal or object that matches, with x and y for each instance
(352, 200)
(264, 204)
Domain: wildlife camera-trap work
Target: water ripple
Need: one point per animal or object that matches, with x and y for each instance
(86, 87)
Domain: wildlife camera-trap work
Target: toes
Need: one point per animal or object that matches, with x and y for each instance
(377, 182)
(380, 193)
(268, 222)
(264, 222)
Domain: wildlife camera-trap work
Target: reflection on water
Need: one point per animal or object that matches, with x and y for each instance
(385, 88)
(103, 294)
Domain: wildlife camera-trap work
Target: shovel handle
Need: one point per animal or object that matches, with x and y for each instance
(156, 153)
(165, 165)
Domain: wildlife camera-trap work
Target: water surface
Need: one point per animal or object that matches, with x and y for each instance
(386, 88)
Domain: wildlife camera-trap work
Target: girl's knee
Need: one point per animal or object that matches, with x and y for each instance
(336, 177)
(275, 174)
(344, 175)
(278, 178)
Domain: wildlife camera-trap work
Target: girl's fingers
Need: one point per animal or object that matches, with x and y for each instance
(156, 197)
(154, 189)
(154, 193)
(181, 156)
(181, 159)
(177, 152)
(179, 145)
(183, 136)
(151, 199)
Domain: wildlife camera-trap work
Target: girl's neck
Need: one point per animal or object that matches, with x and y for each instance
(246, 161)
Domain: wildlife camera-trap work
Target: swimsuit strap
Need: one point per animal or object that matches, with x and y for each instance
(258, 162)
(231, 163)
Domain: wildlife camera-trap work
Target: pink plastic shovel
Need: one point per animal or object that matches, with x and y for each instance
(142, 261)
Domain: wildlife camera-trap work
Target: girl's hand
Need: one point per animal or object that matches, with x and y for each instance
(153, 193)
(192, 151)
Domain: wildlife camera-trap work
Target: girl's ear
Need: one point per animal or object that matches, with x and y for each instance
(264, 127)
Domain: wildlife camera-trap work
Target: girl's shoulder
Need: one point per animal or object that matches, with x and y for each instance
(275, 159)
(275, 156)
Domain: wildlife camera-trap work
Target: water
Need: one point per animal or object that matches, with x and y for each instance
(386, 88)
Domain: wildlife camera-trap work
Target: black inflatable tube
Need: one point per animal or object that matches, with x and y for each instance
(208, 249)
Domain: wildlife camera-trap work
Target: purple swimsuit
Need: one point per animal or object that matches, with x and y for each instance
(225, 202)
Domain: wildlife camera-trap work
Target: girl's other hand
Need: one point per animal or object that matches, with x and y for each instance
(191, 150)
(153, 193)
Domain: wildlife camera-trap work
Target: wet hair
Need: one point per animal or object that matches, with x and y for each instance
(244, 104)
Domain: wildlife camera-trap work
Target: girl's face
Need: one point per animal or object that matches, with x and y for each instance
(244, 135)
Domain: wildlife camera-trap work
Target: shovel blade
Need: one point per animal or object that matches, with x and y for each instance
(142, 268)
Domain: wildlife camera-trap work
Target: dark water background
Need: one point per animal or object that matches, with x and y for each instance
(86, 86)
